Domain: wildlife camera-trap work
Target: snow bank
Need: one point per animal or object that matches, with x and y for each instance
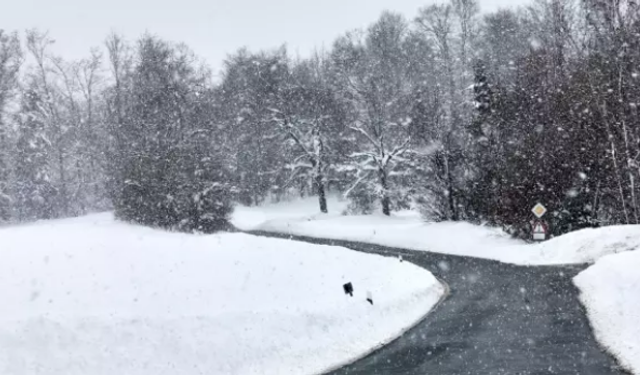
(407, 230)
(94, 296)
(248, 218)
(588, 245)
(610, 291)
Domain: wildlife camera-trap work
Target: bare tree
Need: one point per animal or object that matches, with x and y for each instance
(466, 12)
(379, 93)
(42, 77)
(92, 152)
(306, 133)
(436, 22)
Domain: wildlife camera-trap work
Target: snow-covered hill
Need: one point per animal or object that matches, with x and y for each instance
(95, 296)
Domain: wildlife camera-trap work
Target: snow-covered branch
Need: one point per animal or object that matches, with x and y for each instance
(375, 143)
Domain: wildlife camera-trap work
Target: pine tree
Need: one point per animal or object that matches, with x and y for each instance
(35, 194)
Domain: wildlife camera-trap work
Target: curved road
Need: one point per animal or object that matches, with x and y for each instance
(498, 319)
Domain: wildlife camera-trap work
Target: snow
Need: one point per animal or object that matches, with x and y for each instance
(407, 230)
(610, 291)
(249, 218)
(95, 296)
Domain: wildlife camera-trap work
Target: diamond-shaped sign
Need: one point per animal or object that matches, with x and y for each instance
(539, 210)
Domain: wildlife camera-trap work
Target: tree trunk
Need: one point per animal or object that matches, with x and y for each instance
(386, 202)
(450, 188)
(322, 198)
(63, 184)
(4, 177)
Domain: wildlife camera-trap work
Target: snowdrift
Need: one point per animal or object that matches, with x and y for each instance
(610, 291)
(95, 296)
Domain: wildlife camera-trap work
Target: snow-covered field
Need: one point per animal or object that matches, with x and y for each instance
(610, 291)
(407, 230)
(94, 296)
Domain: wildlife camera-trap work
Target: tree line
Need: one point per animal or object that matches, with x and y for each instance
(461, 114)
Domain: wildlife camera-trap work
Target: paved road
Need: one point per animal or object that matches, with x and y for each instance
(499, 319)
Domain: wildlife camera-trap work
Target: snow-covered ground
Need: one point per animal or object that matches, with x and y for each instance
(610, 291)
(94, 296)
(247, 218)
(407, 230)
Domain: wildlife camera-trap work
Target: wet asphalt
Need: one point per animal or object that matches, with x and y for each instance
(498, 319)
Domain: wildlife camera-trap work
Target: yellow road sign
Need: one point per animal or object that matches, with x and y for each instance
(539, 210)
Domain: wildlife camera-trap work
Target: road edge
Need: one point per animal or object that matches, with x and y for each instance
(607, 350)
(382, 345)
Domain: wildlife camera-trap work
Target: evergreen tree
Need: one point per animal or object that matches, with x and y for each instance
(10, 62)
(166, 177)
(35, 194)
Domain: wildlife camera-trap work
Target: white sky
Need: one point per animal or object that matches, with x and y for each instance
(211, 28)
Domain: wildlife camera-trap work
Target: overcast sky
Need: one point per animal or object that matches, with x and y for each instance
(212, 28)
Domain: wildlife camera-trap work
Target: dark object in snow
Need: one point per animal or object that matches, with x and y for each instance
(348, 289)
(369, 298)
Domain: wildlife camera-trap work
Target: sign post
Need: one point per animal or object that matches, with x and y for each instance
(539, 231)
(539, 227)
